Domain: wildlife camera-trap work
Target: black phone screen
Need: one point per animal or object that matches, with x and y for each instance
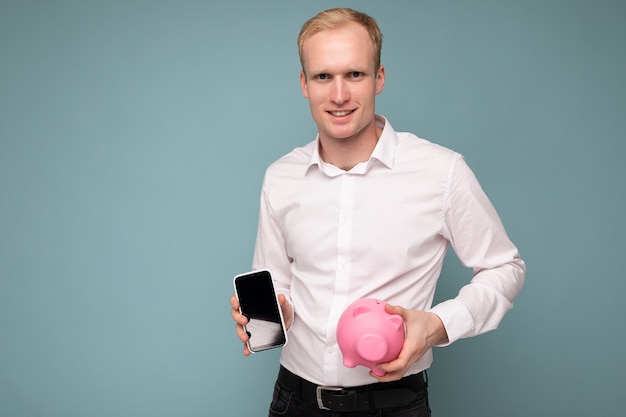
(257, 300)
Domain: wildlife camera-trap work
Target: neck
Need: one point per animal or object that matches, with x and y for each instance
(349, 152)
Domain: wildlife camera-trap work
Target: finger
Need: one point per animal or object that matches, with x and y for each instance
(246, 350)
(286, 309)
(235, 313)
(396, 365)
(244, 336)
(393, 309)
(238, 317)
(234, 302)
(242, 333)
(394, 370)
(388, 376)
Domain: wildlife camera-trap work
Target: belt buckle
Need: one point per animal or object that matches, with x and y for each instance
(318, 395)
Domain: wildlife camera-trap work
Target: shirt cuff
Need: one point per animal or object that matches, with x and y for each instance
(456, 319)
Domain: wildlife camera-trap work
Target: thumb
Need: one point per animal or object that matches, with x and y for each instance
(393, 309)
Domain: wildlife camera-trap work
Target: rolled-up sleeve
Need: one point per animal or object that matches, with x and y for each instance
(478, 237)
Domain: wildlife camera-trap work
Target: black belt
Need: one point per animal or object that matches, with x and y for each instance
(364, 397)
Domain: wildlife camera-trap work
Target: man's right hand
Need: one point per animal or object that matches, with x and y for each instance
(241, 320)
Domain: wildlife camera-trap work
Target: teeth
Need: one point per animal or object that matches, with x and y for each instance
(340, 113)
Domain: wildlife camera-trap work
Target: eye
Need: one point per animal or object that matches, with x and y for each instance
(355, 74)
(322, 77)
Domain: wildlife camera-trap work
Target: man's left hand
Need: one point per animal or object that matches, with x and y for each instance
(423, 331)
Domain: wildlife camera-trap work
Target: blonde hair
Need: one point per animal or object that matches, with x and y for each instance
(335, 18)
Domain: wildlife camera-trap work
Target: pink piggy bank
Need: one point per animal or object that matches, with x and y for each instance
(368, 335)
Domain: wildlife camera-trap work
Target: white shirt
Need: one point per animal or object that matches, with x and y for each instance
(380, 230)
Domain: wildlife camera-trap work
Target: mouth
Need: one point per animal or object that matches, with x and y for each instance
(341, 113)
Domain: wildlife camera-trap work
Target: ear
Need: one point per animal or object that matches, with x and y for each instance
(396, 321)
(380, 79)
(360, 310)
(303, 85)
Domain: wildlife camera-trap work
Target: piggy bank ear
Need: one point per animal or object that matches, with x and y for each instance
(396, 321)
(360, 310)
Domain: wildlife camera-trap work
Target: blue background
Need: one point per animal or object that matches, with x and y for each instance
(133, 140)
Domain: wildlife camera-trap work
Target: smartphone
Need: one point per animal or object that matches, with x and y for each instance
(259, 303)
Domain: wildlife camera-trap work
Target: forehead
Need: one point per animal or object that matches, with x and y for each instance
(348, 47)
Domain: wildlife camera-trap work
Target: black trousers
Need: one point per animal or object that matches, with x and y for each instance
(296, 397)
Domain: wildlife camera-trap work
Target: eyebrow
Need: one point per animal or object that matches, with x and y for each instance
(362, 70)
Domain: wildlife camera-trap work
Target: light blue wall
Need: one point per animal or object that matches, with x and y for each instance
(133, 139)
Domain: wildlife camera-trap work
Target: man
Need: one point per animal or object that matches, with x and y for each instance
(365, 211)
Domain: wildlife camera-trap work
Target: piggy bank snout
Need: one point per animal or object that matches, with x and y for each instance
(372, 347)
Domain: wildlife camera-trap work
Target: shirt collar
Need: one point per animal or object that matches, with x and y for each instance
(383, 152)
(386, 147)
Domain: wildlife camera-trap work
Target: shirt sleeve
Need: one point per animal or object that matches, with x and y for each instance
(479, 239)
(270, 251)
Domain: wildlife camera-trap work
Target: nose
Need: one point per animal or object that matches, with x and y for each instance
(340, 92)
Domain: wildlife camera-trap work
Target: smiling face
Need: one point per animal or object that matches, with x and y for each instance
(341, 81)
